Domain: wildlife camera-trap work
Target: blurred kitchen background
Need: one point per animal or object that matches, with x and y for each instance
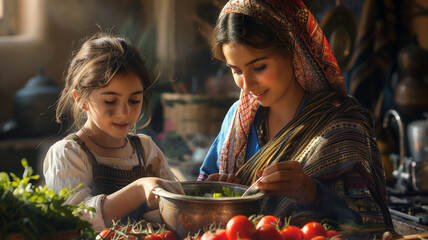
(381, 47)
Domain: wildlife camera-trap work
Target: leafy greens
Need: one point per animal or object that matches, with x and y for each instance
(36, 212)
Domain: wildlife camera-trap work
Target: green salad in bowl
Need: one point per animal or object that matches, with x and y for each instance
(226, 192)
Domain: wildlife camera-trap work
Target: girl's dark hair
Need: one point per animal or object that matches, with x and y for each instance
(98, 60)
(239, 28)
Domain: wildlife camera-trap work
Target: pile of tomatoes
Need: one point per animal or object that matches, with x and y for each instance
(237, 228)
(268, 227)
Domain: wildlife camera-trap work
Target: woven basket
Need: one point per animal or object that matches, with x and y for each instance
(195, 113)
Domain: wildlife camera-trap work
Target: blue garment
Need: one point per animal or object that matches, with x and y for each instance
(331, 205)
(210, 164)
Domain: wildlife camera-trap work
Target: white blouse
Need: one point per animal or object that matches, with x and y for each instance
(67, 164)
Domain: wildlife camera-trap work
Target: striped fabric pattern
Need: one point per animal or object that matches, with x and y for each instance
(321, 110)
(331, 137)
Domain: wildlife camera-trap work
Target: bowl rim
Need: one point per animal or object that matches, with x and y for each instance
(169, 195)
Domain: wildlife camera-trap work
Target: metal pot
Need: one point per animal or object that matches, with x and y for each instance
(340, 28)
(186, 214)
(417, 132)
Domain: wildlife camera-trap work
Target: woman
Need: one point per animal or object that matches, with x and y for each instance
(293, 125)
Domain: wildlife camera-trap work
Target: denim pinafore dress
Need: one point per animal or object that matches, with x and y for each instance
(107, 180)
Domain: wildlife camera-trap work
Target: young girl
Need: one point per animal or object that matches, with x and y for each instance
(105, 89)
(294, 125)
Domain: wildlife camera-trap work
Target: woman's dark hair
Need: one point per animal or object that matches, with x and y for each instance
(239, 28)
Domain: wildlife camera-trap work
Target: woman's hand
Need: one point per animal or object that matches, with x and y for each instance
(230, 178)
(288, 179)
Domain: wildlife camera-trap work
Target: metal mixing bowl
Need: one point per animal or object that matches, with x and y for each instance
(186, 214)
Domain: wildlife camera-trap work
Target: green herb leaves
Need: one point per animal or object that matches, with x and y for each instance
(36, 212)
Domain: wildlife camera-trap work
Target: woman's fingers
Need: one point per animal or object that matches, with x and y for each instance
(283, 178)
(223, 178)
(231, 178)
(282, 166)
(235, 180)
(213, 177)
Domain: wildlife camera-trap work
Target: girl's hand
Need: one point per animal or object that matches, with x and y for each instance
(230, 178)
(148, 184)
(288, 179)
(120, 203)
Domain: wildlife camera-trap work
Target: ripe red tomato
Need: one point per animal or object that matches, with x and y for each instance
(268, 231)
(105, 234)
(239, 227)
(168, 235)
(319, 238)
(313, 229)
(192, 238)
(214, 235)
(153, 237)
(269, 219)
(221, 233)
(333, 233)
(291, 233)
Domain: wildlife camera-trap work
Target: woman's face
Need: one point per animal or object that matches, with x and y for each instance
(265, 74)
(115, 108)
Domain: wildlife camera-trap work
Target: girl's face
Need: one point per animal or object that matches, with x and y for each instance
(115, 108)
(263, 73)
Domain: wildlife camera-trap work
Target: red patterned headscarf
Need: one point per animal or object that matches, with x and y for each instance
(315, 67)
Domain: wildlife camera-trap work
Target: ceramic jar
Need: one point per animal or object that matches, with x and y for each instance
(411, 93)
(34, 106)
